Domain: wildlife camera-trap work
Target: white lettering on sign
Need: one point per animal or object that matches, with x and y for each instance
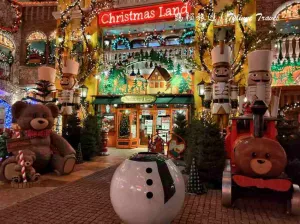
(144, 14)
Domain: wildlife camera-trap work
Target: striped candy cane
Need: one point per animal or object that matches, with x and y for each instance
(22, 163)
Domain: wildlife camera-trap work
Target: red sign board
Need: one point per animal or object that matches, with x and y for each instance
(163, 12)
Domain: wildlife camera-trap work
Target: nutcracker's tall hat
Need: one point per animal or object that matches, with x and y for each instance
(47, 74)
(71, 68)
(260, 61)
(221, 54)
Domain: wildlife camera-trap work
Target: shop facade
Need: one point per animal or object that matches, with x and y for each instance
(135, 118)
(146, 82)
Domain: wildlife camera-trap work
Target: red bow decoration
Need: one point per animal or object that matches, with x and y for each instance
(273, 184)
(38, 134)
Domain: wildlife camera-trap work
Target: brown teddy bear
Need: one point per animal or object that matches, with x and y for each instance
(29, 158)
(260, 157)
(36, 122)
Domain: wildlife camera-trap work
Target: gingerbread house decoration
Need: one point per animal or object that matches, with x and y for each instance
(158, 81)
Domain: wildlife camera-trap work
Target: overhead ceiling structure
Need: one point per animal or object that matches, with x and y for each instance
(28, 3)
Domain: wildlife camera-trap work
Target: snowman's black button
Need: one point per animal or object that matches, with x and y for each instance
(149, 195)
(149, 182)
(149, 170)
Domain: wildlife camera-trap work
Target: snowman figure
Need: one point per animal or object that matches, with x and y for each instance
(147, 188)
(224, 93)
(46, 85)
(260, 77)
(68, 97)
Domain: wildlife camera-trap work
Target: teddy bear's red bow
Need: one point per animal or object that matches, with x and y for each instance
(273, 184)
(37, 134)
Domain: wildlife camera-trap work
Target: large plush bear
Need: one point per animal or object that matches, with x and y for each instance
(36, 122)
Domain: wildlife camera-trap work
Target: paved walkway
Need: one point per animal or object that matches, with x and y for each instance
(87, 201)
(10, 196)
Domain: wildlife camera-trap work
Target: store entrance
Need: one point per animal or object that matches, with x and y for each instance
(146, 126)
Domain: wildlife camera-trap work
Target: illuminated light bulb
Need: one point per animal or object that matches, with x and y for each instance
(245, 100)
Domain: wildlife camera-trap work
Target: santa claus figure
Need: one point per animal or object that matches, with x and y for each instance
(224, 94)
(45, 91)
(260, 77)
(68, 97)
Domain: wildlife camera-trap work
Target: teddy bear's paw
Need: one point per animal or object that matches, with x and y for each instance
(16, 179)
(69, 164)
(36, 177)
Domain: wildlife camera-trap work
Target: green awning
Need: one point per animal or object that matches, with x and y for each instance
(116, 101)
(163, 100)
(159, 100)
(102, 101)
(182, 100)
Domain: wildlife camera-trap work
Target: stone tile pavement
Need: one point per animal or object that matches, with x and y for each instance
(10, 196)
(87, 201)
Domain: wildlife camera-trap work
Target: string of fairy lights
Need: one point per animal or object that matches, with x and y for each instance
(87, 16)
(250, 40)
(289, 107)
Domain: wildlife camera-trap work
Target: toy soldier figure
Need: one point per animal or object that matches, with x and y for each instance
(68, 97)
(260, 77)
(224, 96)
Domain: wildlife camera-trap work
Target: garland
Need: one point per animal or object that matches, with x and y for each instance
(123, 40)
(152, 37)
(249, 38)
(9, 59)
(17, 21)
(288, 107)
(30, 51)
(186, 34)
(87, 17)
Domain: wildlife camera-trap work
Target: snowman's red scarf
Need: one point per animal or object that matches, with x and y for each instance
(38, 134)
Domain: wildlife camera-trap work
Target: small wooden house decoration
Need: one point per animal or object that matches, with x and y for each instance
(158, 81)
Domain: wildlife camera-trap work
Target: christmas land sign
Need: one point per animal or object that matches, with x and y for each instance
(155, 13)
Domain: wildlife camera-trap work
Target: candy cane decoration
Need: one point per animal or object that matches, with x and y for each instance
(22, 163)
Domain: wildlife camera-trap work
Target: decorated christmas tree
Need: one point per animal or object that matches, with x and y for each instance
(115, 82)
(290, 79)
(180, 125)
(124, 127)
(194, 185)
(170, 65)
(177, 80)
(183, 86)
(206, 145)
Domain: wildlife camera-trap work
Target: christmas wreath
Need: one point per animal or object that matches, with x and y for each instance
(118, 40)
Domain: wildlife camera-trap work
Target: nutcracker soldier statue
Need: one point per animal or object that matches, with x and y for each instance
(224, 94)
(68, 97)
(260, 77)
